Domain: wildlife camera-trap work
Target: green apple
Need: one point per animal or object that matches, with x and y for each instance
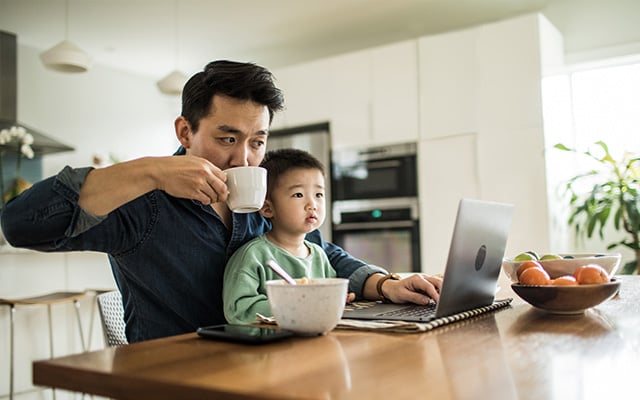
(526, 256)
(550, 257)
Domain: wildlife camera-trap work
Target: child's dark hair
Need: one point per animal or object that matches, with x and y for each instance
(277, 162)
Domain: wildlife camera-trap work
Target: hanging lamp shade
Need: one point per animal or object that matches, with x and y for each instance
(172, 84)
(66, 57)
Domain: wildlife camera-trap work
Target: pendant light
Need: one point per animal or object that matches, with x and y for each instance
(172, 83)
(66, 56)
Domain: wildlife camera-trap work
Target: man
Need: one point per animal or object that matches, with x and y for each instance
(163, 221)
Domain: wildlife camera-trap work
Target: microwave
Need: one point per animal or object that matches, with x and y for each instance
(375, 172)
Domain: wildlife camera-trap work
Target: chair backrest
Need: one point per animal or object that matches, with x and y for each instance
(112, 317)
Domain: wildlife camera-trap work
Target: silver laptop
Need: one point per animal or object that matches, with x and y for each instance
(472, 270)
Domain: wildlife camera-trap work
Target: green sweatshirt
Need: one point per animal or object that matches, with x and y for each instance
(244, 291)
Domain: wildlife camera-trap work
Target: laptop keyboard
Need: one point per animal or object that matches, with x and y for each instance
(428, 310)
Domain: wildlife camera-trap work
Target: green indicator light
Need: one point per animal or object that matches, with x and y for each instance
(376, 213)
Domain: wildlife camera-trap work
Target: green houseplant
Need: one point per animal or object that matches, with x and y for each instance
(614, 195)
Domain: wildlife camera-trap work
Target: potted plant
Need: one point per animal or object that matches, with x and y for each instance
(614, 195)
(19, 141)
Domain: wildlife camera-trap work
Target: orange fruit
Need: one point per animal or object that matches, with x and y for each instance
(534, 276)
(566, 280)
(526, 265)
(590, 274)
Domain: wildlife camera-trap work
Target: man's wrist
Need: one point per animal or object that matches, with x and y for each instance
(381, 282)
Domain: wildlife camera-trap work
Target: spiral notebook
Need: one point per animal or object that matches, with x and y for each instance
(470, 276)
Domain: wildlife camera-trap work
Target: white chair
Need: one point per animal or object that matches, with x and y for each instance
(112, 317)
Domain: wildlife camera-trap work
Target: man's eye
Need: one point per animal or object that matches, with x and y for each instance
(259, 143)
(319, 195)
(228, 140)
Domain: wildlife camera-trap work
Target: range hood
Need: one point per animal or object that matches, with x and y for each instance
(42, 144)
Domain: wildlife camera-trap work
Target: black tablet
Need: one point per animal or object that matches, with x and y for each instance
(243, 333)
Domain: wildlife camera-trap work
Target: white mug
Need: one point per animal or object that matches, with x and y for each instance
(247, 188)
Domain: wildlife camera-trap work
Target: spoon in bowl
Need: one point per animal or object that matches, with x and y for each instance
(281, 272)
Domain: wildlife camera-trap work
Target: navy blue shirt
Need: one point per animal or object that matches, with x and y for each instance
(167, 254)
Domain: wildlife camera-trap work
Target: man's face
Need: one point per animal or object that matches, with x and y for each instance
(233, 134)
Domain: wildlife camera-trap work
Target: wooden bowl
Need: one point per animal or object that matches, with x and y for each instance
(567, 299)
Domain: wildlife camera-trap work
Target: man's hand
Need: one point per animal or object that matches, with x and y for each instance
(416, 288)
(193, 178)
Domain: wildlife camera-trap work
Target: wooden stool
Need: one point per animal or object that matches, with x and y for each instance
(47, 300)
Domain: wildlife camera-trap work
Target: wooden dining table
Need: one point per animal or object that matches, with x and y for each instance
(515, 353)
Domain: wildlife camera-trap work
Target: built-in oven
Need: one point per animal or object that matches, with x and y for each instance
(375, 172)
(382, 232)
(375, 205)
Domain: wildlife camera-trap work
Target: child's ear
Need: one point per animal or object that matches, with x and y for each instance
(266, 210)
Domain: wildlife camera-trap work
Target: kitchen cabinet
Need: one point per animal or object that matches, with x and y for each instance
(448, 73)
(482, 130)
(378, 96)
(351, 104)
(394, 97)
(307, 95)
(369, 97)
(444, 180)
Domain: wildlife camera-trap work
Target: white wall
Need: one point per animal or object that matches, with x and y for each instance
(99, 112)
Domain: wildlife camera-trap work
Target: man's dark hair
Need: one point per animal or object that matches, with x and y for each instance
(277, 162)
(243, 81)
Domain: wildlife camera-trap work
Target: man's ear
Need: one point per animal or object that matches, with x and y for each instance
(183, 131)
(267, 209)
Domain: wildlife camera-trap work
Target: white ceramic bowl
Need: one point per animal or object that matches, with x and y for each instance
(312, 308)
(566, 266)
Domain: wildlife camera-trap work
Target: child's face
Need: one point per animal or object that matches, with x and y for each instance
(297, 203)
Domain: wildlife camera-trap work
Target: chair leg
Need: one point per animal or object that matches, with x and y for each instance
(50, 330)
(76, 303)
(12, 312)
(50, 340)
(94, 305)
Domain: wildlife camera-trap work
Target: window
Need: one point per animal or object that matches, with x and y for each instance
(580, 108)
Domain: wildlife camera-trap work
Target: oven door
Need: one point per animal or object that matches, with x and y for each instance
(375, 174)
(384, 233)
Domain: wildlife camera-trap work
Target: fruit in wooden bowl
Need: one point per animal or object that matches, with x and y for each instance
(567, 264)
(565, 288)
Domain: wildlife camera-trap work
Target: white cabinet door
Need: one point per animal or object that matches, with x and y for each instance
(369, 97)
(448, 80)
(350, 102)
(448, 172)
(376, 96)
(307, 94)
(394, 93)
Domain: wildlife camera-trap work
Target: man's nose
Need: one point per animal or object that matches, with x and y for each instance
(240, 156)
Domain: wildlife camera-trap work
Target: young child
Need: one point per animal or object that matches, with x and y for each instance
(295, 205)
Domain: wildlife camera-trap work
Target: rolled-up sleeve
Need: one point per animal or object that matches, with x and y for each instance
(45, 215)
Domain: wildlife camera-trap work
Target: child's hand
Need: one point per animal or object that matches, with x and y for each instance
(350, 297)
